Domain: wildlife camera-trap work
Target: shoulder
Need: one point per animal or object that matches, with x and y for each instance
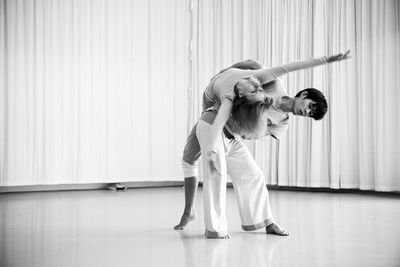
(277, 83)
(275, 88)
(227, 79)
(280, 86)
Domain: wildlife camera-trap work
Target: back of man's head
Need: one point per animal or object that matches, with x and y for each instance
(320, 106)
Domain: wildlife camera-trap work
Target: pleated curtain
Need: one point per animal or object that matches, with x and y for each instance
(103, 91)
(356, 144)
(92, 90)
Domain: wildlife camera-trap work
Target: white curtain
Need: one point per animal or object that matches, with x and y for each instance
(92, 90)
(106, 90)
(355, 145)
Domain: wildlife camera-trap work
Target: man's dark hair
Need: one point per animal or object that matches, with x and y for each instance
(247, 114)
(320, 106)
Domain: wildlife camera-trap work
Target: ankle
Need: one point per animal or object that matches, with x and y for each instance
(189, 212)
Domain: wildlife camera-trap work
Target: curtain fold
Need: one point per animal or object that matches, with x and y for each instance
(92, 91)
(103, 91)
(355, 145)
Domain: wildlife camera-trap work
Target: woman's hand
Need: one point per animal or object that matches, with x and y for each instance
(339, 57)
(212, 161)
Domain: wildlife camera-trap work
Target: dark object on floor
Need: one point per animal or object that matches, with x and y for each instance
(117, 187)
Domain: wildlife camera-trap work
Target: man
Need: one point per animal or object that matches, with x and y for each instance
(309, 103)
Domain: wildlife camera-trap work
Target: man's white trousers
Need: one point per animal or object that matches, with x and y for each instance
(233, 158)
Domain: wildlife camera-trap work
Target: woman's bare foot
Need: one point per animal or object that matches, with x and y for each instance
(185, 220)
(275, 229)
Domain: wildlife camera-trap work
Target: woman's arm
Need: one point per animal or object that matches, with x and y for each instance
(222, 117)
(216, 130)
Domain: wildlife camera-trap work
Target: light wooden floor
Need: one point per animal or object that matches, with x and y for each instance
(134, 228)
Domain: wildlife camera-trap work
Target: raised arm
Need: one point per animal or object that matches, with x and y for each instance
(267, 75)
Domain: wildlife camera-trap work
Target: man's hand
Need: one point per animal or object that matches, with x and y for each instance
(212, 161)
(339, 57)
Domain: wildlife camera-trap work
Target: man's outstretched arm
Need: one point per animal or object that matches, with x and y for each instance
(267, 75)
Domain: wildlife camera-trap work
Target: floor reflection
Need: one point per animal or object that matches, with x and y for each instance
(135, 228)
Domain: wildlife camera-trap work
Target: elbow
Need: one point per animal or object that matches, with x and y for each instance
(255, 65)
(251, 61)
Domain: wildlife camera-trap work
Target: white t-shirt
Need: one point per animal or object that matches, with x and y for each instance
(275, 122)
(222, 86)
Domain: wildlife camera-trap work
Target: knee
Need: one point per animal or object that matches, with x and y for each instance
(257, 175)
(258, 178)
(254, 176)
(190, 169)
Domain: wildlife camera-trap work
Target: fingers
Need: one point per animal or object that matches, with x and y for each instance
(212, 162)
(213, 168)
(340, 56)
(345, 55)
(334, 58)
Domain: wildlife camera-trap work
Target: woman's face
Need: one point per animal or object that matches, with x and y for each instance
(251, 88)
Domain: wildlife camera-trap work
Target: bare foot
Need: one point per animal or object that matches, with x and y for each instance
(185, 220)
(275, 229)
(220, 237)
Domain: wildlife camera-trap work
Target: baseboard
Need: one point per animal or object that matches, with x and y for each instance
(330, 190)
(97, 186)
(91, 186)
(333, 190)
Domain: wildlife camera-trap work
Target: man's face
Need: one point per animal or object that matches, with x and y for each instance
(302, 106)
(251, 88)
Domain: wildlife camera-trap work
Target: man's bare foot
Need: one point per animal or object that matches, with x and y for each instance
(275, 229)
(219, 237)
(185, 220)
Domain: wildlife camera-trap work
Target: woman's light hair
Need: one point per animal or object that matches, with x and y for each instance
(248, 114)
